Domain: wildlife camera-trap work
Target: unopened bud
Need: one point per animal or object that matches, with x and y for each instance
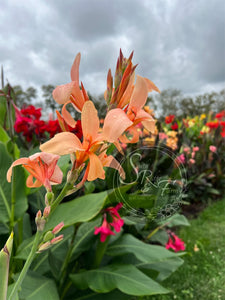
(44, 246)
(38, 215)
(40, 222)
(49, 197)
(48, 236)
(58, 228)
(46, 211)
(57, 239)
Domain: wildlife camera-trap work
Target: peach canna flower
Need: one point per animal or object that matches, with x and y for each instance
(71, 93)
(41, 166)
(122, 119)
(90, 150)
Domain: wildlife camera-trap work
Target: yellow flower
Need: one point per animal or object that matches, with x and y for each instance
(202, 117)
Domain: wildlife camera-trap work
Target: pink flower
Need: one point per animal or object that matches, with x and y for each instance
(193, 154)
(213, 148)
(104, 230)
(195, 149)
(180, 159)
(187, 150)
(162, 136)
(191, 161)
(117, 222)
(175, 243)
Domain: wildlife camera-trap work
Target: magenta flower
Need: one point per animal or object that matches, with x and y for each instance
(175, 243)
(116, 223)
(104, 230)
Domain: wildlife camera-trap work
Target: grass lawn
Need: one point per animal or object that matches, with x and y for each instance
(202, 276)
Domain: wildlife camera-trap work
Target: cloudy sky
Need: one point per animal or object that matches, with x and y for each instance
(177, 43)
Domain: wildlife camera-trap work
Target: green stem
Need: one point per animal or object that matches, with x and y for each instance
(63, 270)
(100, 251)
(26, 266)
(68, 186)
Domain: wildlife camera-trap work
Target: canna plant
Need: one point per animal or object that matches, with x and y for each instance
(96, 251)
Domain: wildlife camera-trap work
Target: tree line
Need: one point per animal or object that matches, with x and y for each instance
(170, 101)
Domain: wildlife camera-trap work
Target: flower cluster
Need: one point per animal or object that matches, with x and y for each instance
(115, 221)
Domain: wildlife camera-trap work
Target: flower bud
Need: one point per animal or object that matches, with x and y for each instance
(48, 236)
(57, 239)
(58, 228)
(49, 197)
(44, 246)
(46, 212)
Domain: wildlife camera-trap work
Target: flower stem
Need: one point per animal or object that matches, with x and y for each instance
(68, 186)
(100, 251)
(26, 266)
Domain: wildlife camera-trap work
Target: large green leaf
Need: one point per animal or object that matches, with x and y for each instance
(176, 220)
(127, 278)
(144, 252)
(5, 187)
(84, 238)
(21, 204)
(36, 287)
(3, 135)
(164, 268)
(79, 210)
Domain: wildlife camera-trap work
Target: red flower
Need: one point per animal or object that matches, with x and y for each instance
(175, 243)
(169, 119)
(174, 126)
(212, 125)
(220, 115)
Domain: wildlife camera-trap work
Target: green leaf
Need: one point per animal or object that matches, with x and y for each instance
(24, 248)
(176, 220)
(165, 268)
(4, 266)
(36, 287)
(144, 252)
(79, 210)
(5, 187)
(127, 278)
(3, 135)
(21, 204)
(84, 238)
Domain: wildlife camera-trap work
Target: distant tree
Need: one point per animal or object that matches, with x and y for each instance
(49, 102)
(23, 98)
(167, 102)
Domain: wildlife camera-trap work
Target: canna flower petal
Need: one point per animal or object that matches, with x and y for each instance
(95, 168)
(62, 143)
(31, 184)
(116, 122)
(89, 121)
(140, 94)
(61, 93)
(151, 86)
(75, 68)
(111, 162)
(20, 161)
(67, 116)
(146, 119)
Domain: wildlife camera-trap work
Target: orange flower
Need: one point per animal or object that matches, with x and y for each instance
(89, 150)
(71, 93)
(132, 114)
(41, 166)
